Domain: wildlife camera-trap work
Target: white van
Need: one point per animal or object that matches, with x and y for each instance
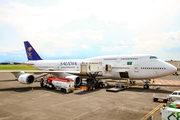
(174, 96)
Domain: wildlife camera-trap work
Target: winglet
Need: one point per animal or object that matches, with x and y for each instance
(30, 51)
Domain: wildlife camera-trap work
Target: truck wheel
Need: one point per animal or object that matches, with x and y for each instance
(155, 99)
(41, 84)
(64, 90)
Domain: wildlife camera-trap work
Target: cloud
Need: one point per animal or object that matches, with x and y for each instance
(85, 46)
(110, 49)
(119, 42)
(155, 42)
(130, 26)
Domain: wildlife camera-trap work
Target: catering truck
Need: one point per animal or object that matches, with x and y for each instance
(64, 84)
(172, 112)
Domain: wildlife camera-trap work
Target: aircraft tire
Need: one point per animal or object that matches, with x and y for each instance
(146, 86)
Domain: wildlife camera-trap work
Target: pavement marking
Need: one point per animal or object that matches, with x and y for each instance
(154, 110)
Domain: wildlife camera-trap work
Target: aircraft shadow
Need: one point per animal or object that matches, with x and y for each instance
(6, 80)
(56, 91)
(22, 89)
(149, 90)
(87, 91)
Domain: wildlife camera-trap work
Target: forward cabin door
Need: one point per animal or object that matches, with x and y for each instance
(136, 68)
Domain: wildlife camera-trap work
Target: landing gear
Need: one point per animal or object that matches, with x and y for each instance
(146, 86)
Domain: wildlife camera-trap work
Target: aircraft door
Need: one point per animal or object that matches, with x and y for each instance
(136, 68)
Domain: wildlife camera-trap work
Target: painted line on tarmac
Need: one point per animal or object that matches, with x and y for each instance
(154, 110)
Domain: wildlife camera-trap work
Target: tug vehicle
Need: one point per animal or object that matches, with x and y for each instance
(94, 85)
(64, 84)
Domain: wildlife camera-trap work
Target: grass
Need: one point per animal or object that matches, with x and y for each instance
(16, 67)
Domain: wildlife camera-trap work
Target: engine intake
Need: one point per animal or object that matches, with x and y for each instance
(26, 78)
(77, 80)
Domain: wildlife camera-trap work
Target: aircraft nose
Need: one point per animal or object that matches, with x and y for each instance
(173, 69)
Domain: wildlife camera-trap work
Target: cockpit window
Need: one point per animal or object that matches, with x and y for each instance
(153, 57)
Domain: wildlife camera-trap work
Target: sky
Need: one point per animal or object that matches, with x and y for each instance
(78, 29)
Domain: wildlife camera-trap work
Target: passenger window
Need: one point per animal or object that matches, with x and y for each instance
(175, 93)
(178, 93)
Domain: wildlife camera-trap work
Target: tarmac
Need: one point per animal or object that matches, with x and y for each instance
(19, 102)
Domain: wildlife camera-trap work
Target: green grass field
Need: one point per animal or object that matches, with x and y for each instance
(16, 67)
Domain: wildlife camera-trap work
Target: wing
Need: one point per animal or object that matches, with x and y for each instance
(78, 73)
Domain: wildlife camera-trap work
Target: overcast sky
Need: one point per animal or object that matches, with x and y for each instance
(75, 29)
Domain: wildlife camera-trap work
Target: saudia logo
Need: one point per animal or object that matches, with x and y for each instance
(29, 52)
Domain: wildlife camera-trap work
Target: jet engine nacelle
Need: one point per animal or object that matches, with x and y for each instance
(77, 80)
(26, 78)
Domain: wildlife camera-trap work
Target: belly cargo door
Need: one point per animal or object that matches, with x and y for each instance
(124, 74)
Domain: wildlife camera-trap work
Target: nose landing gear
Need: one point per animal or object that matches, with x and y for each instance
(146, 86)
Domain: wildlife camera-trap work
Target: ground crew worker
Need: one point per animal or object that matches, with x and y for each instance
(42, 82)
(153, 81)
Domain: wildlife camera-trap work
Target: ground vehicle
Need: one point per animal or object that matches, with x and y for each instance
(119, 86)
(63, 84)
(123, 85)
(172, 112)
(175, 96)
(94, 85)
(156, 97)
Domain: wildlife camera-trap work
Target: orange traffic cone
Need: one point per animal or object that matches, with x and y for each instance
(32, 88)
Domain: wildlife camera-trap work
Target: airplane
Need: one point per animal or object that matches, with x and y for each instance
(132, 67)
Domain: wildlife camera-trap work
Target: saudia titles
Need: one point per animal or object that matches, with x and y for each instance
(68, 63)
(29, 52)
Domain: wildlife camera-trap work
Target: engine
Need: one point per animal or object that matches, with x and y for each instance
(77, 80)
(26, 78)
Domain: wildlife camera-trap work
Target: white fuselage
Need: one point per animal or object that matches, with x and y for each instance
(123, 66)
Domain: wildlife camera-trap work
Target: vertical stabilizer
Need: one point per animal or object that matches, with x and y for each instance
(30, 51)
